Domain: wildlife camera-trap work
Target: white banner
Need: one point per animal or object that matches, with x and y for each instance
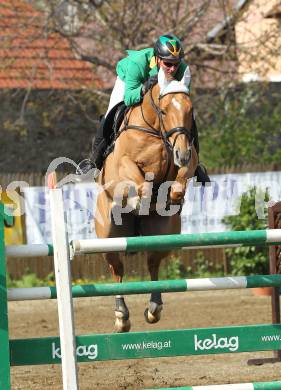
(203, 209)
(79, 205)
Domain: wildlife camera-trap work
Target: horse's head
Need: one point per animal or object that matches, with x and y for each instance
(166, 112)
(176, 128)
(175, 121)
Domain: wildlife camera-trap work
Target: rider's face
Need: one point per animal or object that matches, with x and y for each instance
(168, 67)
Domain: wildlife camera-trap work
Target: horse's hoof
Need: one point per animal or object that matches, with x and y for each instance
(122, 322)
(153, 316)
(122, 326)
(134, 203)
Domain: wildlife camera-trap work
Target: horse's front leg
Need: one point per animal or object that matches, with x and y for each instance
(178, 188)
(152, 314)
(184, 174)
(130, 173)
(122, 321)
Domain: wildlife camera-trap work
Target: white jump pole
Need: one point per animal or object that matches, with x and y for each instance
(31, 250)
(63, 285)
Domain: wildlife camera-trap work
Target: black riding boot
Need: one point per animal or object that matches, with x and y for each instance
(201, 171)
(98, 148)
(99, 145)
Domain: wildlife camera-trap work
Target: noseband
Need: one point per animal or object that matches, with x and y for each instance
(165, 135)
(178, 130)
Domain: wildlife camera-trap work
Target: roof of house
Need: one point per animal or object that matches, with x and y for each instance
(31, 57)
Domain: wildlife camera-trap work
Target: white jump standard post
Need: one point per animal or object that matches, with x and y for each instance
(63, 285)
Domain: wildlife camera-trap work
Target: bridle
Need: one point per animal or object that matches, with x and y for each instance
(162, 133)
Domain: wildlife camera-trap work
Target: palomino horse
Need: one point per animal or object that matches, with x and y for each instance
(153, 153)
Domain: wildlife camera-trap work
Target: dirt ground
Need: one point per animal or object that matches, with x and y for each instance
(181, 310)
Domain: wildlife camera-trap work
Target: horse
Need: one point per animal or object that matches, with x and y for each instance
(144, 178)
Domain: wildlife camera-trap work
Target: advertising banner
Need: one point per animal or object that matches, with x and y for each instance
(203, 209)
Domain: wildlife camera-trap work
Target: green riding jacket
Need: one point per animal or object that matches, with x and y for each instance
(136, 68)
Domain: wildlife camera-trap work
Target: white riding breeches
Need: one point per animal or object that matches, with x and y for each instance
(117, 94)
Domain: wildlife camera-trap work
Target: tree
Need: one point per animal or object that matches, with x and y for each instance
(243, 128)
(217, 36)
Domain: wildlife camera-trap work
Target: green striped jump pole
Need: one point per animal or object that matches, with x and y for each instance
(5, 382)
(172, 241)
(236, 386)
(132, 244)
(164, 286)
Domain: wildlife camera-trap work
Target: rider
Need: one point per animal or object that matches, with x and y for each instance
(136, 74)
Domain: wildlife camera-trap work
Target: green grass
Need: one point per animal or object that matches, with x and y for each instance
(30, 280)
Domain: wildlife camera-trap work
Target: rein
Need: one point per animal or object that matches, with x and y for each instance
(161, 133)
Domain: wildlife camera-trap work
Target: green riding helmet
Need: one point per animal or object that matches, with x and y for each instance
(169, 47)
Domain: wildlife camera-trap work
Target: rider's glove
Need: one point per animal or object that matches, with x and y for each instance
(148, 84)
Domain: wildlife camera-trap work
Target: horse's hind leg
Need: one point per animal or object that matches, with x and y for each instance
(152, 314)
(122, 322)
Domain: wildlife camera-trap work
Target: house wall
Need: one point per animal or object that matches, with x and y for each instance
(259, 42)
